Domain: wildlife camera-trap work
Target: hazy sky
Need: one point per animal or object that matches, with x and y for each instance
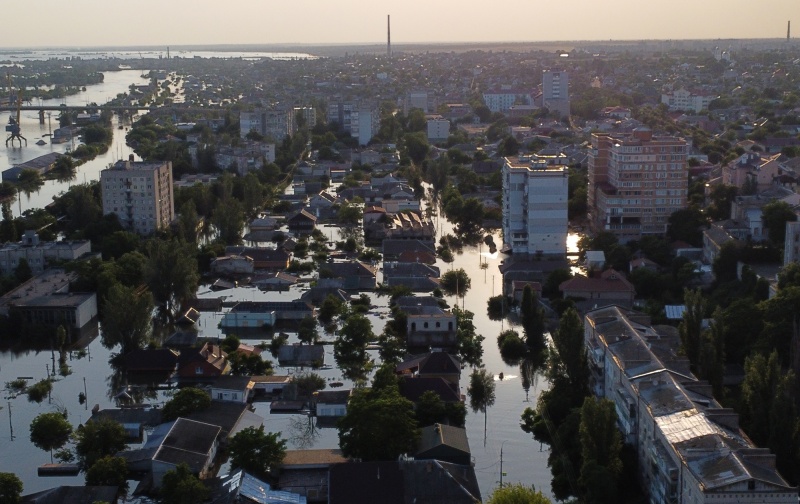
(184, 22)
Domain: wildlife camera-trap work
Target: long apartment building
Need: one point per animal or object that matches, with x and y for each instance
(691, 449)
(140, 194)
(534, 207)
(636, 181)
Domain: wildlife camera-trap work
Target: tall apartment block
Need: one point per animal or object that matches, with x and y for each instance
(534, 207)
(362, 120)
(140, 194)
(274, 123)
(555, 91)
(309, 115)
(636, 182)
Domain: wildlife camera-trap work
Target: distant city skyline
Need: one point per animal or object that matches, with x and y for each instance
(93, 23)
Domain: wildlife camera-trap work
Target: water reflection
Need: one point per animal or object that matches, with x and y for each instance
(302, 432)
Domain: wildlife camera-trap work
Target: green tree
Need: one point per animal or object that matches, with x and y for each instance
(127, 318)
(257, 452)
(108, 471)
(532, 319)
(570, 363)
(350, 347)
(97, 439)
(774, 216)
(308, 333)
(228, 220)
(50, 431)
(517, 494)
(331, 307)
(185, 402)
(712, 354)
(601, 446)
(455, 282)
(308, 383)
(378, 426)
(691, 327)
(416, 147)
(171, 272)
(512, 347)
(29, 181)
(469, 342)
(180, 486)
(430, 409)
(481, 392)
(10, 488)
(687, 225)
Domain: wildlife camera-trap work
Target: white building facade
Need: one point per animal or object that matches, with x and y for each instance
(438, 129)
(534, 207)
(140, 194)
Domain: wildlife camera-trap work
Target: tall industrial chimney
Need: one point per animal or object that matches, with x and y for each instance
(788, 30)
(389, 35)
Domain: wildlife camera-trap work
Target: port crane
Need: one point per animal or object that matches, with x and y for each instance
(13, 126)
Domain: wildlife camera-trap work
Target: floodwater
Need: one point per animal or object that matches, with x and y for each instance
(113, 84)
(523, 460)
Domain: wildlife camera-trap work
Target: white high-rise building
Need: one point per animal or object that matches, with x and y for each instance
(555, 91)
(140, 194)
(534, 207)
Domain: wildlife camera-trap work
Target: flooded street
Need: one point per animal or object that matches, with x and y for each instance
(522, 458)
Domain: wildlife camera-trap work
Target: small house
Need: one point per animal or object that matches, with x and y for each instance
(187, 442)
(432, 365)
(609, 288)
(201, 364)
(270, 384)
(306, 472)
(232, 388)
(301, 221)
(445, 443)
(331, 403)
(431, 330)
(301, 355)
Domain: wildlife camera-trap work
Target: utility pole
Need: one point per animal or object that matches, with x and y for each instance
(85, 394)
(501, 464)
(10, 425)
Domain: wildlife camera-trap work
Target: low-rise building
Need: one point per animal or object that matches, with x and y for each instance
(39, 254)
(46, 299)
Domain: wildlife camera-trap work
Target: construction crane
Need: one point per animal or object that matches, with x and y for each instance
(13, 126)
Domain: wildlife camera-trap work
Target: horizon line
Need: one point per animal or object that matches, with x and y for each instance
(383, 43)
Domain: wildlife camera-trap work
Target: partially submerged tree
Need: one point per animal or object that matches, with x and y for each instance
(481, 392)
(127, 318)
(50, 431)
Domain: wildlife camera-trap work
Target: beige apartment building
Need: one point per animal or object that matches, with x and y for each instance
(636, 181)
(140, 194)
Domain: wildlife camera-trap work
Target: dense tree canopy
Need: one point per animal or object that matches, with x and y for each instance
(185, 402)
(50, 431)
(257, 452)
(97, 439)
(379, 425)
(10, 488)
(127, 318)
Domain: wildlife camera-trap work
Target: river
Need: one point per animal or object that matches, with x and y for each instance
(113, 84)
(523, 460)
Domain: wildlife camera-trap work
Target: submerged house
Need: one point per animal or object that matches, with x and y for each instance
(256, 314)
